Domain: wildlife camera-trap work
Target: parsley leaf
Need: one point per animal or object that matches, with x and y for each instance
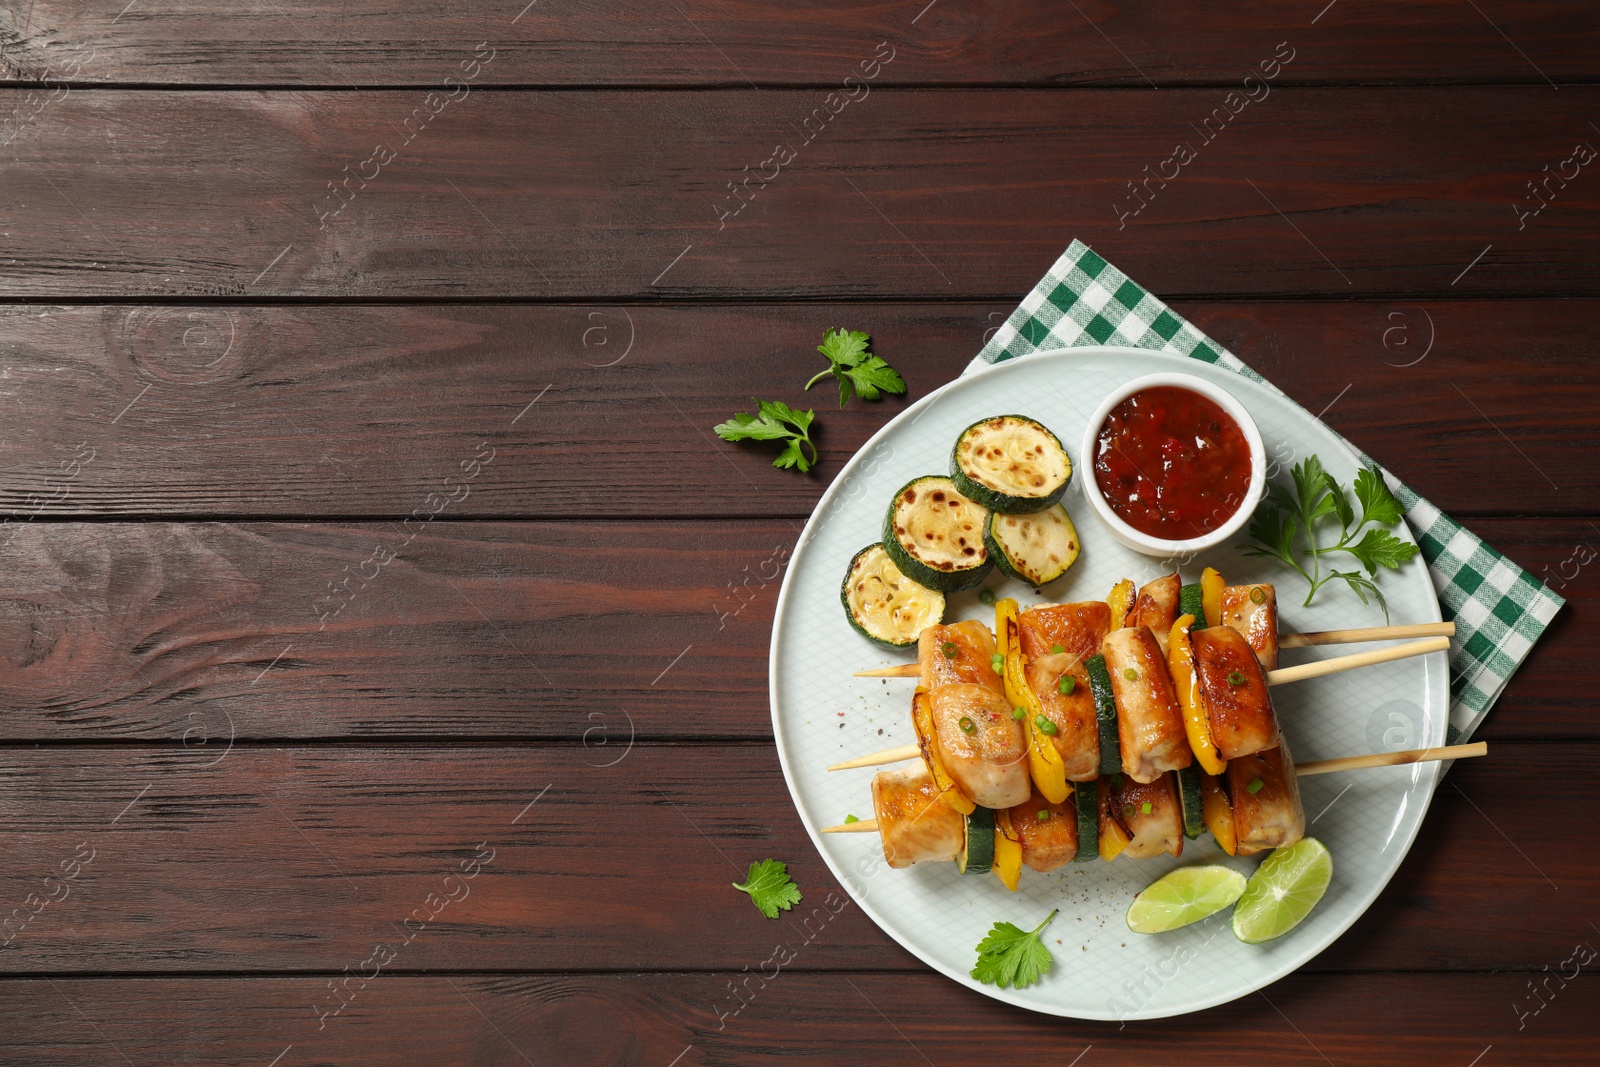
(770, 888)
(1380, 548)
(855, 368)
(1011, 956)
(1377, 503)
(1318, 496)
(776, 421)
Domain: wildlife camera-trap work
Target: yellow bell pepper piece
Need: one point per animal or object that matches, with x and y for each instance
(1007, 851)
(1113, 838)
(1120, 600)
(1180, 663)
(1005, 613)
(1211, 584)
(1048, 770)
(1218, 814)
(922, 720)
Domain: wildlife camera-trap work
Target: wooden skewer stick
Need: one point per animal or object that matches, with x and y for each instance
(1370, 633)
(1277, 677)
(1282, 674)
(1327, 766)
(899, 670)
(1359, 659)
(1320, 637)
(878, 759)
(1390, 759)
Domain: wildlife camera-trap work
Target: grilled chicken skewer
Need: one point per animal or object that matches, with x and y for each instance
(915, 826)
(1226, 679)
(1252, 609)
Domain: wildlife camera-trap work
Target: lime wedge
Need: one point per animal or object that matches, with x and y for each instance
(1183, 896)
(1283, 891)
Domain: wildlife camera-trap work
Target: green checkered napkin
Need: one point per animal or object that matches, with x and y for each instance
(1499, 609)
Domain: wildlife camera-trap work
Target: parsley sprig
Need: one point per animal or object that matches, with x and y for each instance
(770, 887)
(776, 421)
(1011, 956)
(1317, 497)
(855, 368)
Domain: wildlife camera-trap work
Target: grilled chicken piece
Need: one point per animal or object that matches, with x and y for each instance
(1149, 721)
(1272, 816)
(1077, 736)
(1049, 842)
(1078, 628)
(1234, 692)
(1156, 831)
(913, 824)
(974, 650)
(1157, 607)
(983, 749)
(1253, 611)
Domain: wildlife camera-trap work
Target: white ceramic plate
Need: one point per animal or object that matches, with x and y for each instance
(822, 715)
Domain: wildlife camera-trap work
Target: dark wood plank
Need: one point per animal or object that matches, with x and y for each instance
(726, 43)
(569, 632)
(365, 410)
(604, 1020)
(264, 859)
(555, 195)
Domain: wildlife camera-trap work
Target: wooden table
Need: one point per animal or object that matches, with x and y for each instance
(385, 630)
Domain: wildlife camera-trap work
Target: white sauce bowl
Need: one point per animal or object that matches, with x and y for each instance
(1159, 546)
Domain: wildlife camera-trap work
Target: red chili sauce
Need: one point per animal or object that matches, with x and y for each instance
(1171, 463)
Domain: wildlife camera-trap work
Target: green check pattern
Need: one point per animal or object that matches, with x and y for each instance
(1499, 609)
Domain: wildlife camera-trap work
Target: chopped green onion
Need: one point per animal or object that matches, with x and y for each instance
(848, 819)
(1045, 726)
(1257, 596)
(1127, 810)
(967, 725)
(997, 663)
(1255, 786)
(1057, 649)
(1236, 678)
(1043, 814)
(1130, 674)
(1145, 808)
(1067, 684)
(1018, 714)
(987, 596)
(949, 649)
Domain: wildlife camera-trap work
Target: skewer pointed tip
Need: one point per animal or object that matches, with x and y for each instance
(901, 670)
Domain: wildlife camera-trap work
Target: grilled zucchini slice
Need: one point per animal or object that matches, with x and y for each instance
(1032, 548)
(1193, 803)
(883, 604)
(1011, 464)
(977, 855)
(1191, 601)
(1105, 713)
(1088, 821)
(934, 535)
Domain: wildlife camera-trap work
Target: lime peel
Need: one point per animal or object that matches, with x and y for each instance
(1283, 891)
(1184, 896)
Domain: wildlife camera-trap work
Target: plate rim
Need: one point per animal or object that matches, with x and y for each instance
(1426, 776)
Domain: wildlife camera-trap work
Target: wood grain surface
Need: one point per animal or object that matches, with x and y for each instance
(1485, 407)
(721, 43)
(1386, 192)
(364, 529)
(300, 858)
(555, 631)
(606, 1020)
